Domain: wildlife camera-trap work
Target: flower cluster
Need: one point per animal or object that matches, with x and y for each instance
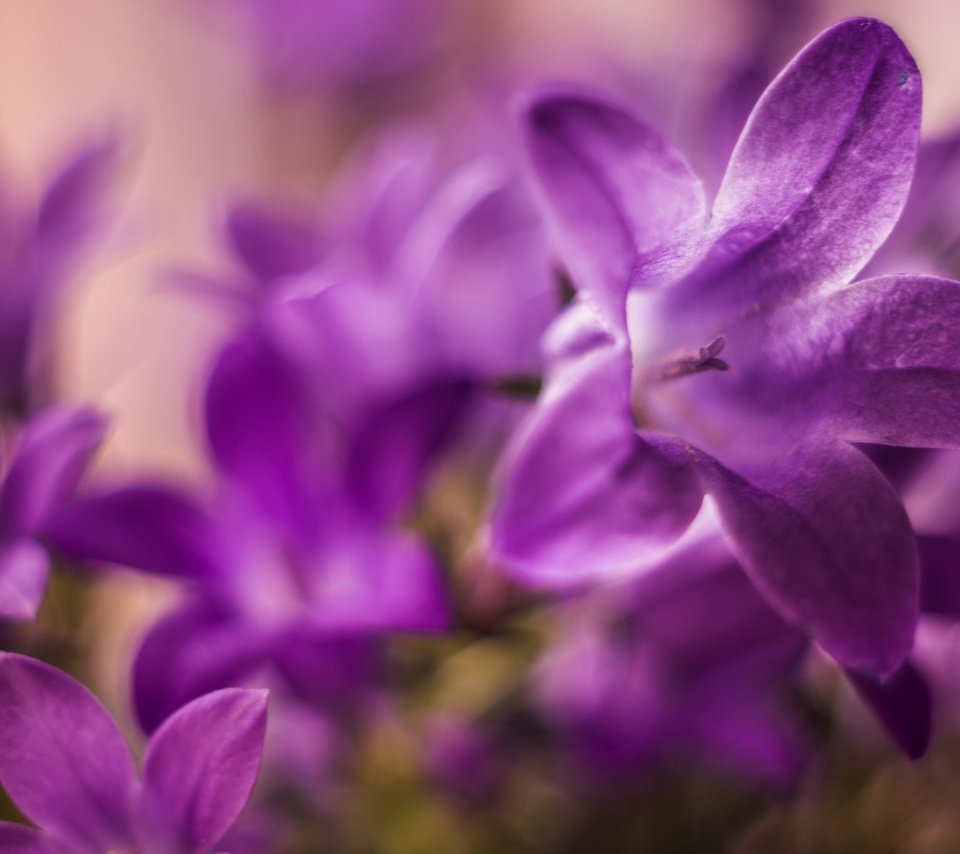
(524, 471)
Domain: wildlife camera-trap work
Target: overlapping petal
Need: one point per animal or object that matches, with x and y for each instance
(623, 203)
(584, 495)
(885, 357)
(152, 527)
(826, 540)
(818, 177)
(54, 451)
(875, 361)
(188, 653)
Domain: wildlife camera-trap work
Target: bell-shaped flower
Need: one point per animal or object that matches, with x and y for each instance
(727, 353)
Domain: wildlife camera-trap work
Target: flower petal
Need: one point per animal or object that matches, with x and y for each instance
(393, 446)
(622, 202)
(19, 839)
(886, 356)
(903, 704)
(54, 451)
(200, 767)
(824, 537)
(62, 758)
(330, 672)
(378, 582)
(151, 527)
(271, 245)
(584, 495)
(24, 570)
(876, 361)
(188, 653)
(69, 203)
(819, 176)
(256, 427)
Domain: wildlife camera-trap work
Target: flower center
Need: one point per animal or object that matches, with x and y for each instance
(684, 364)
(675, 366)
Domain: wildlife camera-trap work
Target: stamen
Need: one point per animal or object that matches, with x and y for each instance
(684, 364)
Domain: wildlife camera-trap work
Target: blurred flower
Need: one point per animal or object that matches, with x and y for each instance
(696, 667)
(742, 345)
(37, 249)
(337, 43)
(464, 761)
(326, 412)
(54, 450)
(66, 766)
(296, 559)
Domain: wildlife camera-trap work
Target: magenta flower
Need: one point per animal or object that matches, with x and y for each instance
(727, 355)
(66, 766)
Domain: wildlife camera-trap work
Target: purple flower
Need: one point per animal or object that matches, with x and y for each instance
(37, 248)
(53, 452)
(688, 661)
(363, 350)
(297, 559)
(66, 766)
(726, 355)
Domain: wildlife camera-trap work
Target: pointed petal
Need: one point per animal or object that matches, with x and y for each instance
(824, 537)
(623, 204)
(191, 652)
(819, 176)
(54, 451)
(62, 758)
(584, 496)
(200, 768)
(490, 287)
(256, 427)
(270, 244)
(70, 201)
(24, 570)
(876, 361)
(886, 358)
(903, 704)
(151, 527)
